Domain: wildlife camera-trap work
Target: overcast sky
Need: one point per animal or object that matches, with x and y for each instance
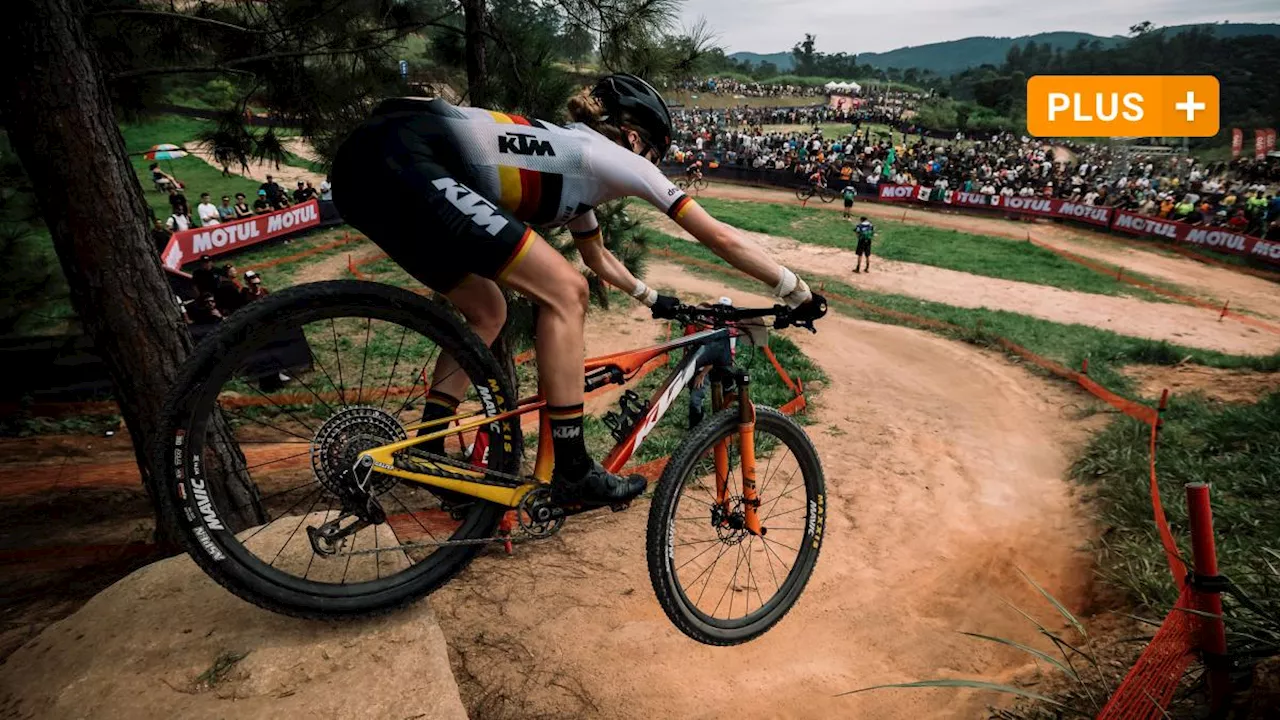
(767, 26)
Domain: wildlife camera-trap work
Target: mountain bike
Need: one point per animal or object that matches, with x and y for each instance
(697, 184)
(318, 499)
(807, 191)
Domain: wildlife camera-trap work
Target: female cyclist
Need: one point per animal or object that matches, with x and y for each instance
(452, 194)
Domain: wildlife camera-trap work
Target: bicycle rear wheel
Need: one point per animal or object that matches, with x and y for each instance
(262, 429)
(803, 193)
(701, 559)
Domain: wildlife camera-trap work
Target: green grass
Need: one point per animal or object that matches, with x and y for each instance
(1234, 448)
(984, 255)
(197, 175)
(1106, 351)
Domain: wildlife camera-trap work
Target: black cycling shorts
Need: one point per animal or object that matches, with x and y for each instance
(397, 178)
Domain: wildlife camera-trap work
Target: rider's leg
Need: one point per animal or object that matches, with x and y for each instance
(485, 309)
(560, 290)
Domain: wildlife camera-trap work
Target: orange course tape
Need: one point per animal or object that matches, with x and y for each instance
(1185, 299)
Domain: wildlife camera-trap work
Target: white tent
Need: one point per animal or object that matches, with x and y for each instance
(843, 87)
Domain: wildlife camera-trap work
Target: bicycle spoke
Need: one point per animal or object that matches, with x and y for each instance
(263, 423)
(297, 419)
(302, 519)
(337, 355)
(404, 331)
(364, 359)
(271, 462)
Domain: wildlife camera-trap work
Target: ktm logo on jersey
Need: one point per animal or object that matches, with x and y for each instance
(472, 204)
(519, 144)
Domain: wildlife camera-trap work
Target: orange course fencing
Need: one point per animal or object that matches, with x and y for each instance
(1223, 312)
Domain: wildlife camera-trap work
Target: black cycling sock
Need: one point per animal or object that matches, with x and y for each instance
(572, 460)
(438, 405)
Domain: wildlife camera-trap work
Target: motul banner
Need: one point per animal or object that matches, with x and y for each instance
(188, 245)
(1271, 139)
(1046, 207)
(1237, 142)
(1259, 144)
(1219, 239)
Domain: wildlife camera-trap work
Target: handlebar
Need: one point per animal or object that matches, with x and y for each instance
(726, 315)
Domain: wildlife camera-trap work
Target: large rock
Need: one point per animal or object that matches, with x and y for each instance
(168, 642)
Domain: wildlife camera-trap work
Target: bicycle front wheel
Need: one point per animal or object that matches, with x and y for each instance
(717, 582)
(701, 184)
(263, 427)
(828, 195)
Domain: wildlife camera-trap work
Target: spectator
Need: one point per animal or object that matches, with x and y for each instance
(242, 207)
(226, 213)
(208, 211)
(205, 277)
(275, 194)
(262, 205)
(162, 179)
(254, 289)
(160, 234)
(204, 311)
(864, 230)
(326, 190)
(304, 193)
(182, 309)
(178, 201)
(179, 220)
(849, 193)
(228, 294)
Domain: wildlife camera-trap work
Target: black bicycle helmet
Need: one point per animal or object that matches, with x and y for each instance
(625, 95)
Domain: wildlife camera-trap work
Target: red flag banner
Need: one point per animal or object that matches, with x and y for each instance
(1271, 140)
(1259, 144)
(188, 245)
(1237, 142)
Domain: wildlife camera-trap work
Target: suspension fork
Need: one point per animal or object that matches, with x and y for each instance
(747, 444)
(747, 450)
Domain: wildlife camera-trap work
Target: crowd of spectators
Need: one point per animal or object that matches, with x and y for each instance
(218, 292)
(739, 88)
(271, 196)
(1240, 194)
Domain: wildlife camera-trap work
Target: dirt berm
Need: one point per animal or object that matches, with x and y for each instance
(167, 642)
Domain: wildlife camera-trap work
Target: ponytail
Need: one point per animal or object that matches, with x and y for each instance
(587, 109)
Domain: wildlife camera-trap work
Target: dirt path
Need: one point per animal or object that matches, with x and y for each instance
(287, 175)
(1181, 324)
(1207, 281)
(1216, 383)
(931, 507)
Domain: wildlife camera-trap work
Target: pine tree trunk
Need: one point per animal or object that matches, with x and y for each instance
(477, 68)
(62, 126)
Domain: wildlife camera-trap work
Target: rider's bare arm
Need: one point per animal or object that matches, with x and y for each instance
(729, 244)
(590, 244)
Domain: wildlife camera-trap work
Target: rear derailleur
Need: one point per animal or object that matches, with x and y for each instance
(360, 509)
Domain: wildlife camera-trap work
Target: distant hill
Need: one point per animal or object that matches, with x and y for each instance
(953, 56)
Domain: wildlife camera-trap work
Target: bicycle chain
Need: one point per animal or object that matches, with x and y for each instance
(415, 453)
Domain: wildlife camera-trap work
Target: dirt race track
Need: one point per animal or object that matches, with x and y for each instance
(933, 504)
(946, 472)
